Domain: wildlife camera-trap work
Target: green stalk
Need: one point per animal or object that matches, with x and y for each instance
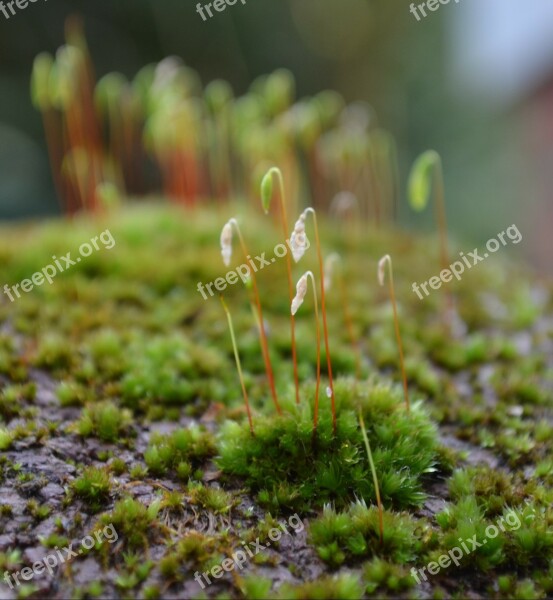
(381, 276)
(375, 479)
(238, 364)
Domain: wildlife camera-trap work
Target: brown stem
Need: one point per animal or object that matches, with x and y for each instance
(323, 309)
(263, 336)
(290, 281)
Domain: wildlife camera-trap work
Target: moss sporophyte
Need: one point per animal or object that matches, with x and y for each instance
(298, 241)
(266, 197)
(226, 251)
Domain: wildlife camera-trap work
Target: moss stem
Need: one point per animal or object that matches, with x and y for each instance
(277, 172)
(375, 479)
(238, 364)
(262, 334)
(388, 259)
(323, 310)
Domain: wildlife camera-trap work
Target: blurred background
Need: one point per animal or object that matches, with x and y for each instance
(473, 80)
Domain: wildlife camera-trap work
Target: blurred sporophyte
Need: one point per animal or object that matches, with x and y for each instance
(218, 5)
(21, 4)
(432, 5)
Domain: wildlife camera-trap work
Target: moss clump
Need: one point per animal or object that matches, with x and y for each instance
(93, 486)
(134, 522)
(213, 499)
(53, 353)
(171, 370)
(6, 439)
(386, 576)
(178, 450)
(12, 398)
(39, 512)
(345, 587)
(104, 420)
(72, 394)
(355, 533)
(518, 538)
(289, 467)
(493, 489)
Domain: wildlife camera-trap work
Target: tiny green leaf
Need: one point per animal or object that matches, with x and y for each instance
(267, 191)
(420, 180)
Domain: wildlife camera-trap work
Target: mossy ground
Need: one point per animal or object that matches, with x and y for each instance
(120, 404)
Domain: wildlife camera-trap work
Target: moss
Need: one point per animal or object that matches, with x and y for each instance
(135, 523)
(127, 342)
(384, 576)
(12, 399)
(37, 511)
(492, 488)
(53, 353)
(117, 466)
(346, 587)
(288, 467)
(255, 587)
(6, 439)
(104, 420)
(211, 498)
(93, 486)
(355, 534)
(72, 394)
(179, 450)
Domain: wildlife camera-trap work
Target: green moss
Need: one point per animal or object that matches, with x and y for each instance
(288, 467)
(385, 576)
(345, 587)
(214, 499)
(38, 511)
(178, 450)
(255, 587)
(53, 353)
(72, 394)
(492, 488)
(6, 439)
(355, 534)
(131, 342)
(93, 486)
(135, 523)
(105, 421)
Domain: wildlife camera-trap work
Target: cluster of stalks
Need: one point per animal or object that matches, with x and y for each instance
(62, 89)
(426, 174)
(298, 244)
(207, 145)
